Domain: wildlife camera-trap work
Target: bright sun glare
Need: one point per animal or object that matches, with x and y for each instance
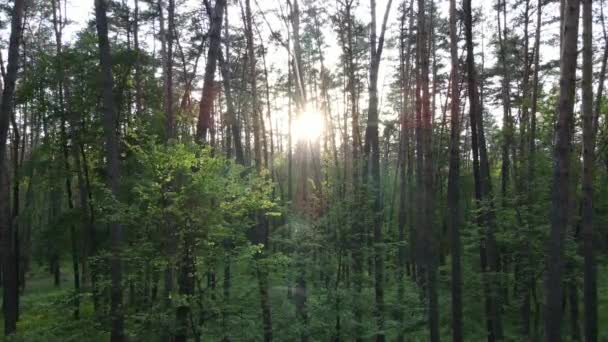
(308, 127)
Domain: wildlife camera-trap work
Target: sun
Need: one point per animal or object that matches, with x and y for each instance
(308, 127)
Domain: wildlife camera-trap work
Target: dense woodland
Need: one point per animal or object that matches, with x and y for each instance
(338, 170)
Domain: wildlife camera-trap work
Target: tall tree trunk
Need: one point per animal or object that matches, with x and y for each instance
(63, 93)
(138, 81)
(117, 333)
(235, 126)
(187, 265)
(168, 36)
(260, 233)
(426, 242)
(372, 153)
(535, 93)
(602, 76)
(209, 87)
(525, 104)
(590, 272)
(454, 220)
(405, 77)
(268, 156)
(252, 78)
(7, 233)
(507, 128)
(483, 192)
(91, 234)
(410, 148)
(303, 154)
(357, 229)
(16, 198)
(528, 277)
(560, 197)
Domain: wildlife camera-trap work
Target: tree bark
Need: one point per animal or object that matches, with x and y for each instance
(235, 126)
(507, 128)
(426, 242)
(117, 333)
(209, 87)
(454, 220)
(138, 80)
(7, 234)
(63, 98)
(404, 156)
(590, 272)
(372, 153)
(483, 192)
(560, 197)
(168, 36)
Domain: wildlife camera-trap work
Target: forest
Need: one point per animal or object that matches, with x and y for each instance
(303, 170)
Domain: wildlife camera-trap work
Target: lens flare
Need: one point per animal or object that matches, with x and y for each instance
(308, 127)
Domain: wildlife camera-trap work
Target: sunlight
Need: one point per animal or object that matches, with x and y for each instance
(308, 127)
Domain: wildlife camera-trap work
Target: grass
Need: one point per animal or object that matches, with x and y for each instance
(47, 312)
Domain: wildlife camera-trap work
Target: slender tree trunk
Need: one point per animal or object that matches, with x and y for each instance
(506, 101)
(404, 66)
(235, 126)
(85, 207)
(454, 220)
(304, 152)
(426, 242)
(525, 105)
(112, 169)
(357, 230)
(63, 97)
(602, 75)
(209, 87)
(289, 135)
(138, 80)
(372, 151)
(529, 281)
(91, 234)
(410, 147)
(16, 201)
(235, 136)
(260, 233)
(7, 233)
(590, 272)
(560, 198)
(483, 193)
(168, 36)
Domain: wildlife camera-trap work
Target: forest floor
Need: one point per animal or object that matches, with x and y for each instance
(46, 313)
